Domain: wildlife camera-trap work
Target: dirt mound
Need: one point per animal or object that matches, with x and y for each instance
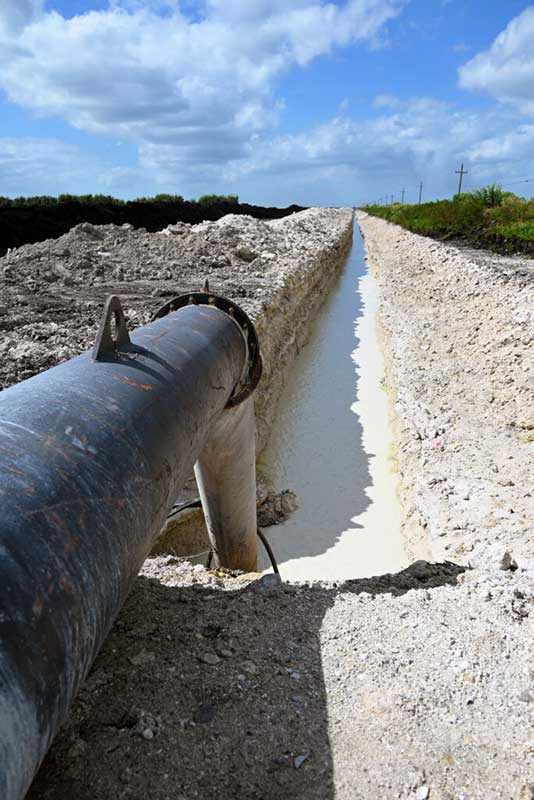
(53, 292)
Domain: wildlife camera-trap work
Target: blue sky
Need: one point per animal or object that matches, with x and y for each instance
(279, 101)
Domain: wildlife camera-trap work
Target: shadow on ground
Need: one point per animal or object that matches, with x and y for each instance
(199, 692)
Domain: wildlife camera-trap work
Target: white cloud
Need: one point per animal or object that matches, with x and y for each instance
(386, 101)
(15, 14)
(146, 72)
(506, 69)
(197, 97)
(414, 135)
(343, 161)
(514, 145)
(31, 166)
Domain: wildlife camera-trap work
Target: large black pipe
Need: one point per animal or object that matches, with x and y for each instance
(92, 456)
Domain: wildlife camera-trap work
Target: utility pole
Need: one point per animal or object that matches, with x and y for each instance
(461, 172)
(403, 192)
(420, 190)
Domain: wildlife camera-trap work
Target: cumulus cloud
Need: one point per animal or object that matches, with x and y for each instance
(147, 72)
(506, 69)
(347, 160)
(414, 133)
(514, 145)
(193, 85)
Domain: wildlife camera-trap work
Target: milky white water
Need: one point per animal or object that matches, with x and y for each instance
(331, 444)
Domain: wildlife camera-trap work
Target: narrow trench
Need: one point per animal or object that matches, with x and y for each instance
(332, 444)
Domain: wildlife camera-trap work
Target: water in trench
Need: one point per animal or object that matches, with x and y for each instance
(331, 444)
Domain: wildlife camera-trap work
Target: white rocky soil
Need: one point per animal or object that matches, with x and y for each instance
(459, 331)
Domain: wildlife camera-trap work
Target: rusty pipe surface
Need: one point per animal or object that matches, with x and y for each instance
(92, 455)
(226, 478)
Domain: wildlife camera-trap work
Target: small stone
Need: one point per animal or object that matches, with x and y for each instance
(299, 760)
(288, 501)
(126, 775)
(282, 761)
(246, 254)
(146, 726)
(527, 792)
(422, 793)
(205, 713)
(250, 667)
(485, 594)
(143, 657)
(77, 749)
(210, 658)
(211, 631)
(267, 583)
(508, 562)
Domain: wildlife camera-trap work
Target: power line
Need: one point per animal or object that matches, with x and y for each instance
(502, 183)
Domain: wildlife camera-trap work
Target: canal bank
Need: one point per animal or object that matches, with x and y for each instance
(332, 445)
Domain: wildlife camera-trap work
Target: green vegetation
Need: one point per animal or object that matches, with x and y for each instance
(104, 199)
(214, 199)
(488, 217)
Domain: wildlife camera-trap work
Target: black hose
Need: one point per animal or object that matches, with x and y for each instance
(269, 551)
(197, 503)
(177, 508)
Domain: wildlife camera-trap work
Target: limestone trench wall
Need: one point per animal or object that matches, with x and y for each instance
(457, 328)
(309, 249)
(283, 321)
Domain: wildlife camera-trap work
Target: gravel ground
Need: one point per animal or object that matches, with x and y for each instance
(459, 327)
(416, 685)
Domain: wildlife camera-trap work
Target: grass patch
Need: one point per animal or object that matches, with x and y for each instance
(521, 230)
(488, 217)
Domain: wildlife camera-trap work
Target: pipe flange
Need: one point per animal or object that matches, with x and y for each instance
(255, 365)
